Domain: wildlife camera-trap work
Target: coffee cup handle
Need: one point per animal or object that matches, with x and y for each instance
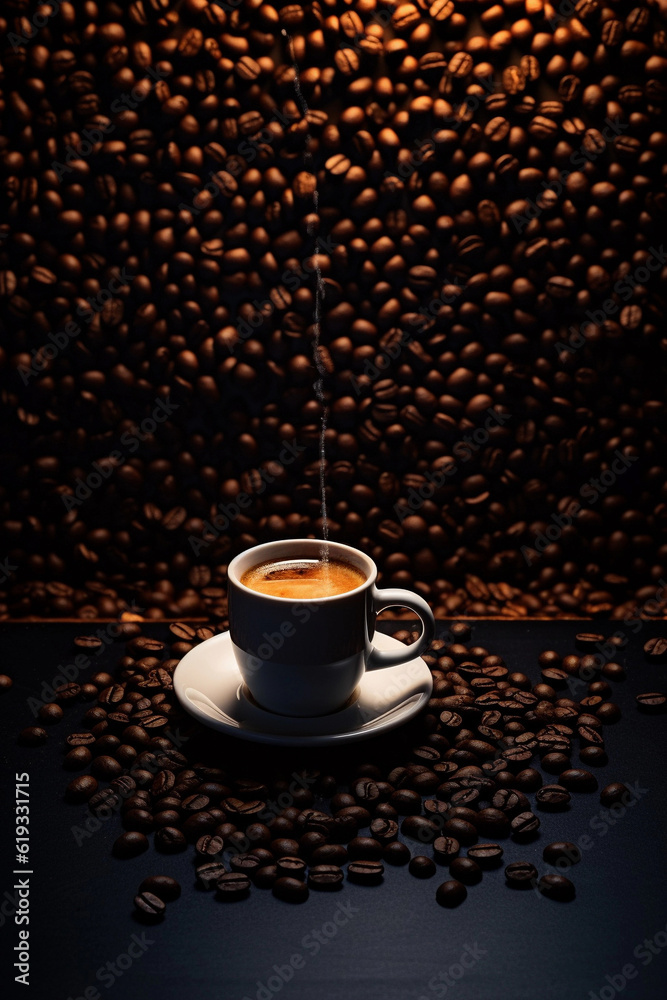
(394, 597)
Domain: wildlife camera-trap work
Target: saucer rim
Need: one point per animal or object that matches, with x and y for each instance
(419, 700)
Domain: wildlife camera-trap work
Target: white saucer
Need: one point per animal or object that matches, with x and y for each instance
(208, 685)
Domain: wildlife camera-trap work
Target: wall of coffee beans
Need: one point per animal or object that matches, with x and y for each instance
(450, 213)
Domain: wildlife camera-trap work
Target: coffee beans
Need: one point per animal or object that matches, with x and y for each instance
(292, 890)
(577, 780)
(614, 793)
(520, 874)
(365, 872)
(451, 893)
(325, 878)
(149, 906)
(233, 886)
(652, 702)
(552, 797)
(421, 867)
(81, 789)
(197, 232)
(291, 867)
(525, 826)
(445, 849)
(209, 874)
(556, 887)
(396, 854)
(462, 780)
(130, 844)
(170, 840)
(656, 650)
(466, 870)
(485, 855)
(163, 886)
(32, 736)
(561, 853)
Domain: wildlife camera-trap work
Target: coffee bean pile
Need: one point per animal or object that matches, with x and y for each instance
(466, 198)
(437, 796)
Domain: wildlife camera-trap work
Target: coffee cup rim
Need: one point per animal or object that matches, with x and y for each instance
(346, 552)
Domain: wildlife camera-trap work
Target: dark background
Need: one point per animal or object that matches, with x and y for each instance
(399, 938)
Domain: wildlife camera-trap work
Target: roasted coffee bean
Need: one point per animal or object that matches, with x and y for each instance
(291, 890)
(608, 712)
(485, 855)
(265, 877)
(420, 828)
(50, 713)
(232, 886)
(366, 848)
(445, 849)
(528, 780)
(520, 874)
(421, 867)
(451, 893)
(396, 853)
(525, 826)
(106, 767)
(575, 779)
(552, 798)
(492, 822)
(554, 763)
(365, 872)
(510, 801)
(384, 830)
(461, 830)
(130, 845)
(291, 867)
(209, 873)
(613, 671)
(588, 640)
(593, 756)
(652, 702)
(150, 906)
(656, 650)
(466, 870)
(209, 846)
(325, 878)
(32, 736)
(170, 840)
(334, 854)
(590, 735)
(556, 887)
(615, 793)
(77, 758)
(81, 789)
(562, 854)
(247, 863)
(163, 886)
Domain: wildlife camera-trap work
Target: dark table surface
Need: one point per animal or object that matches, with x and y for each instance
(387, 943)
